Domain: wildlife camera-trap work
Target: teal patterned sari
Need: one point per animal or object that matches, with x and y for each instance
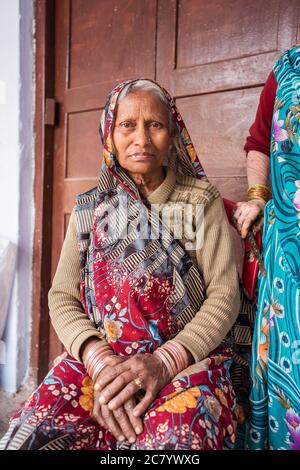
(275, 369)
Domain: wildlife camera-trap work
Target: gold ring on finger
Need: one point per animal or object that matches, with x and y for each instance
(138, 382)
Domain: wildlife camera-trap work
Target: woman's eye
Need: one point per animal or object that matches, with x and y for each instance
(127, 124)
(156, 125)
(131, 124)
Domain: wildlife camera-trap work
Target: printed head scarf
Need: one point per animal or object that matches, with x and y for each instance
(187, 163)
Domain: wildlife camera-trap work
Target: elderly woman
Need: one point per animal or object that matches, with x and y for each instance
(141, 312)
(273, 157)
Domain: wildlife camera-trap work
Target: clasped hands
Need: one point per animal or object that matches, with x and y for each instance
(118, 403)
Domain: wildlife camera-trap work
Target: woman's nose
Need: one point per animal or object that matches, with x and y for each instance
(142, 136)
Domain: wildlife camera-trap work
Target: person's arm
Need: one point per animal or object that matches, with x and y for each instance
(71, 323)
(260, 132)
(257, 145)
(258, 168)
(249, 213)
(216, 261)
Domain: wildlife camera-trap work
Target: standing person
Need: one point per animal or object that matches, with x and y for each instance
(273, 169)
(142, 313)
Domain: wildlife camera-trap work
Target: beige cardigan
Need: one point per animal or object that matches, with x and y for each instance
(215, 260)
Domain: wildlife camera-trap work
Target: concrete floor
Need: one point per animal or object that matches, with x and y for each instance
(10, 403)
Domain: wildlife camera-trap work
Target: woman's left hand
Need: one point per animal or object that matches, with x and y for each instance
(142, 371)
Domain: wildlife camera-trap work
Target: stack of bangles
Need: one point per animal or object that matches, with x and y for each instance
(259, 191)
(94, 362)
(174, 356)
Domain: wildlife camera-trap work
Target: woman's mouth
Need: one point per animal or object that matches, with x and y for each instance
(140, 157)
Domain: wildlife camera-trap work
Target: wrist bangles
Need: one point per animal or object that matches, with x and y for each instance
(259, 191)
(95, 356)
(174, 357)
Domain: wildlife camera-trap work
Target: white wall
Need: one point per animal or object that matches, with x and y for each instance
(16, 177)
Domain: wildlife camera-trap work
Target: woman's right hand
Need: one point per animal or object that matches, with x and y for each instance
(120, 422)
(248, 213)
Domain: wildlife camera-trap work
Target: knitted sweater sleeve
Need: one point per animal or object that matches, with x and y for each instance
(221, 307)
(67, 314)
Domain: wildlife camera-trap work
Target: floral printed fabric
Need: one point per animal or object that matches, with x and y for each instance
(185, 415)
(275, 394)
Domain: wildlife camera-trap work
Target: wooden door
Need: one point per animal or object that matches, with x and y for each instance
(213, 56)
(98, 43)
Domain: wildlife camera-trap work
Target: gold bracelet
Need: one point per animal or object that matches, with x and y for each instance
(262, 187)
(259, 191)
(253, 198)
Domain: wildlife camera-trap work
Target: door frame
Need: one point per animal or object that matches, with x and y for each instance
(45, 23)
(44, 17)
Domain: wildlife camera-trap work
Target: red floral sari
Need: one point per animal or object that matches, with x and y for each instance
(140, 292)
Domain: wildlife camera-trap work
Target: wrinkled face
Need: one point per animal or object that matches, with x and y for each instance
(141, 133)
